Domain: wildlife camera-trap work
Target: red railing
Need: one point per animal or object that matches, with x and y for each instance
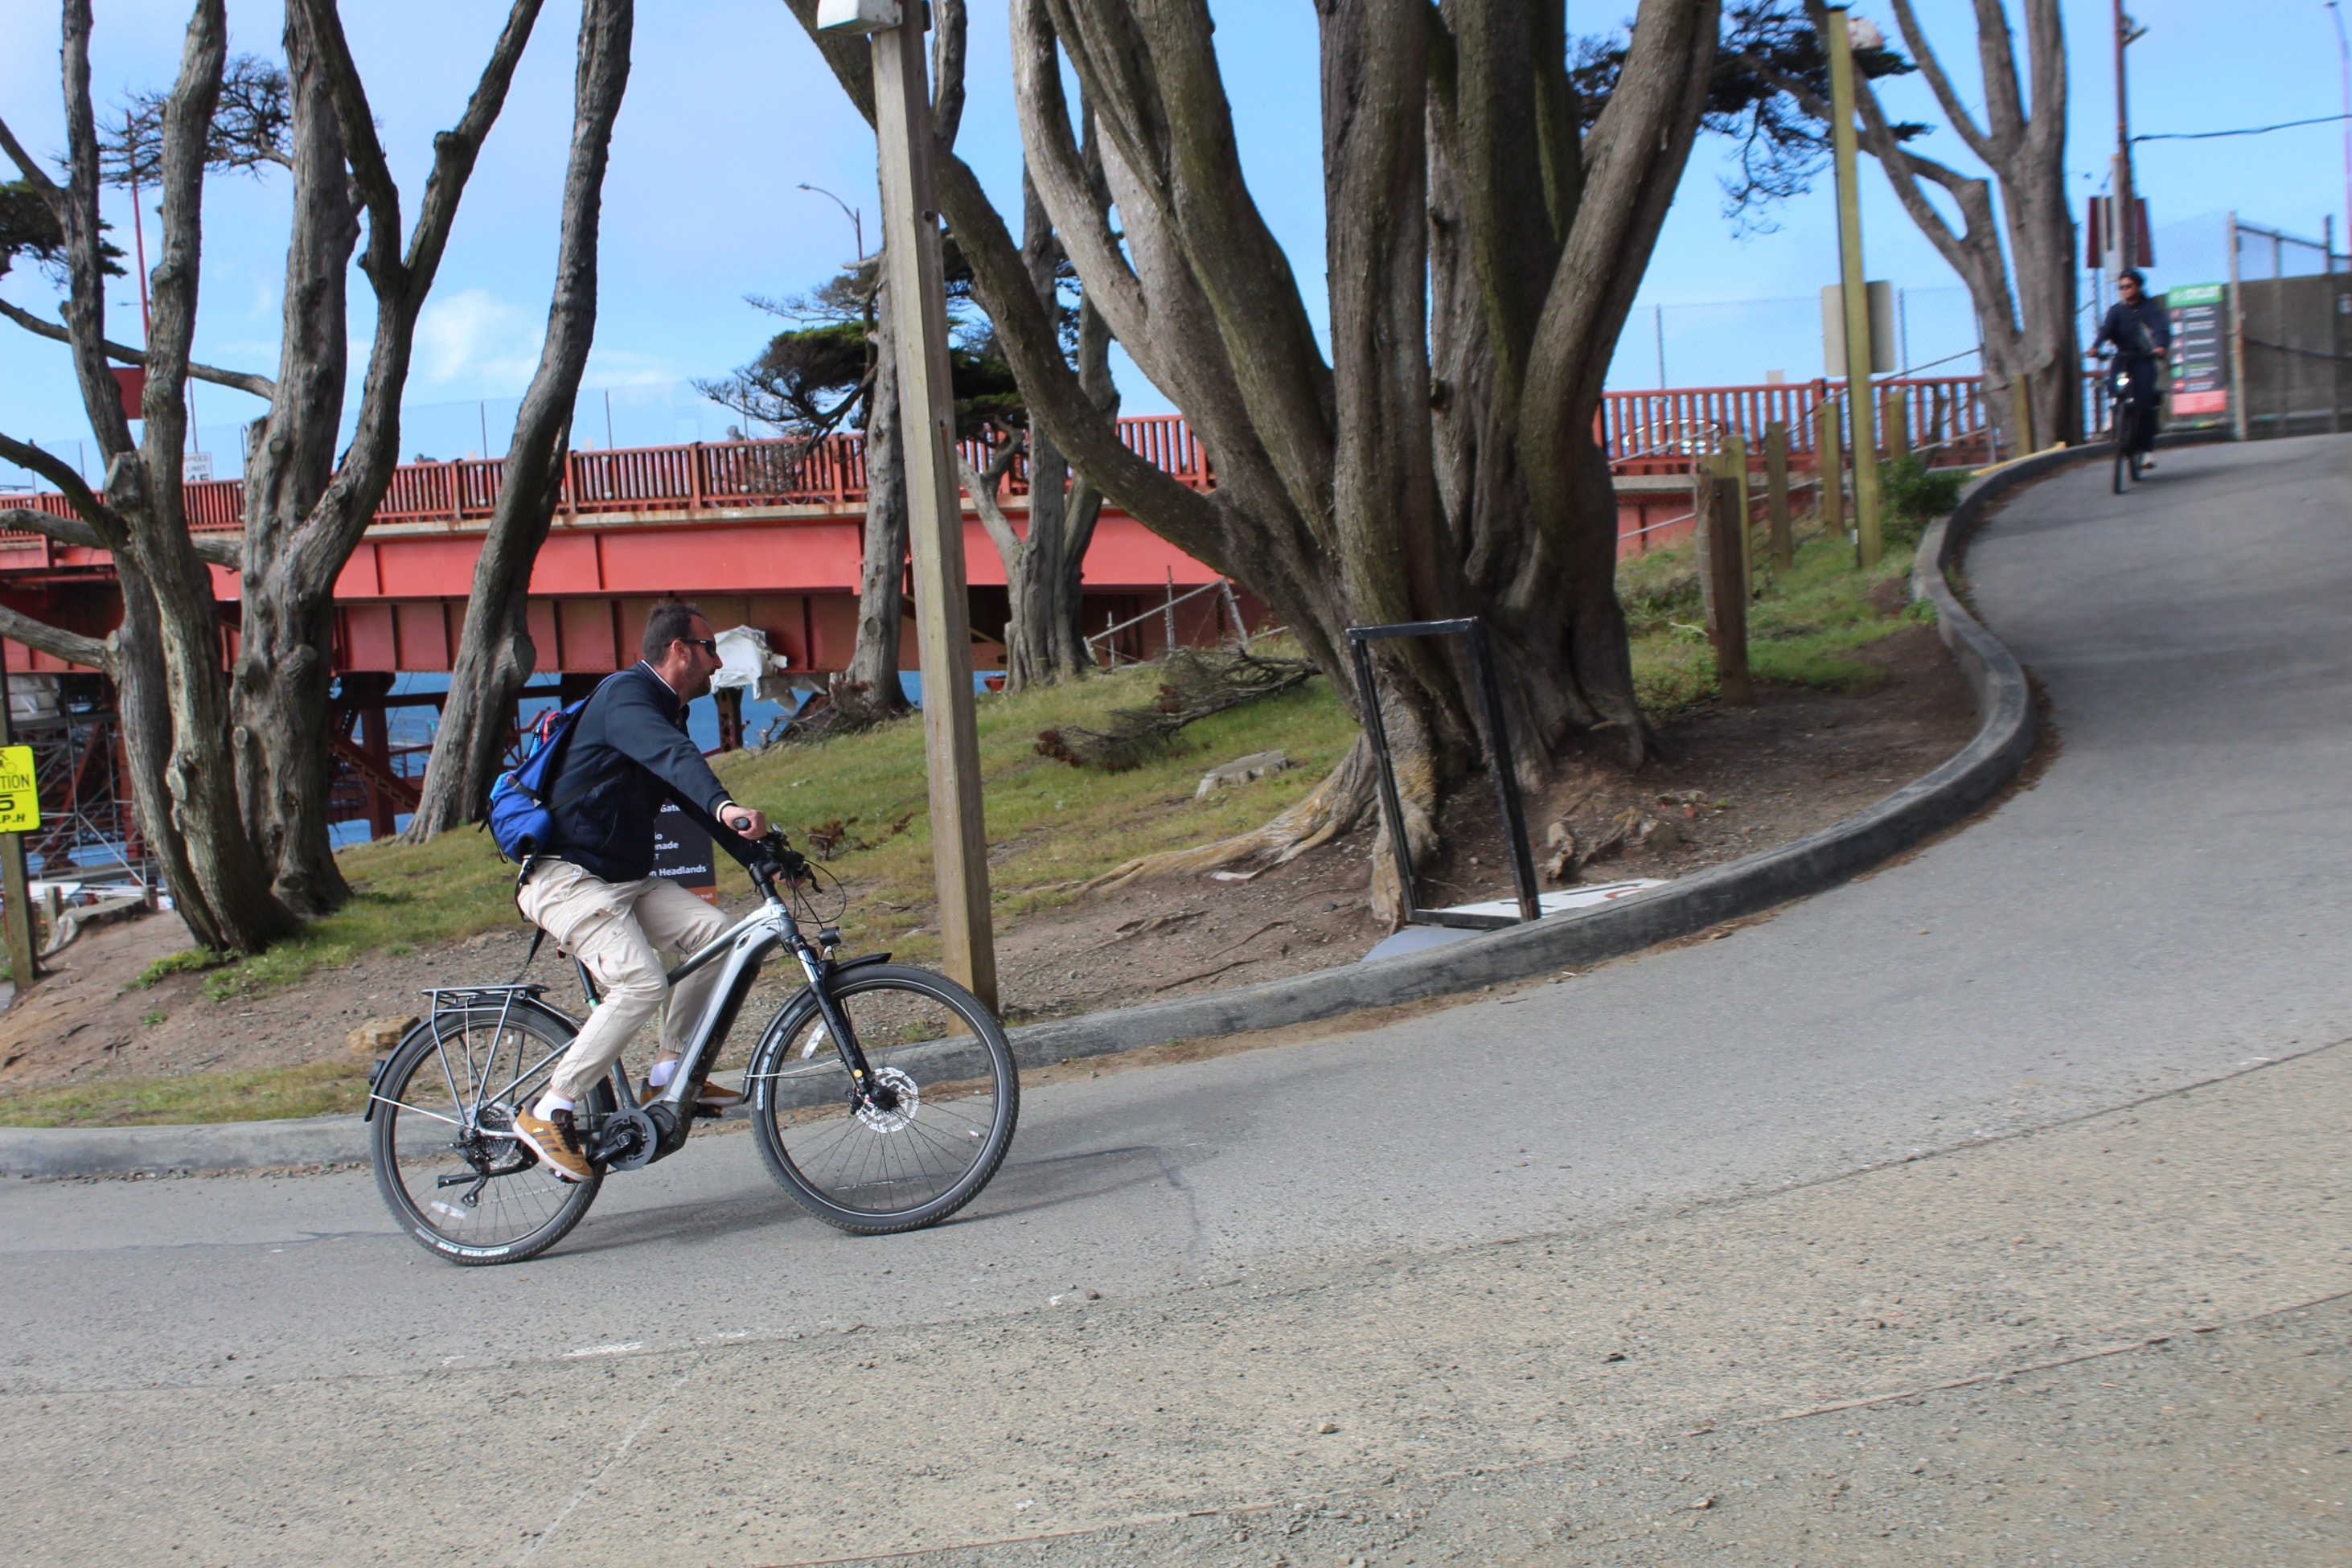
(1641, 432)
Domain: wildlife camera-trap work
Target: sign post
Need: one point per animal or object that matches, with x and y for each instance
(20, 813)
(1856, 298)
(916, 277)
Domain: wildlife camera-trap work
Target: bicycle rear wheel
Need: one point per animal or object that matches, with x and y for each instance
(445, 1160)
(942, 1056)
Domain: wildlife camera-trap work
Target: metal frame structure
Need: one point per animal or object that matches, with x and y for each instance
(1498, 751)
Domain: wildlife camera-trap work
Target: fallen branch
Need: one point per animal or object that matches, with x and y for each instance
(1196, 684)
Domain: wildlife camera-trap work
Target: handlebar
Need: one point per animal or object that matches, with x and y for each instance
(777, 857)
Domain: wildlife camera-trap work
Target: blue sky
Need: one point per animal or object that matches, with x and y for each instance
(729, 111)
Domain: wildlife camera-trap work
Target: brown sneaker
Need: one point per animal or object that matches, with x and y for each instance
(556, 1141)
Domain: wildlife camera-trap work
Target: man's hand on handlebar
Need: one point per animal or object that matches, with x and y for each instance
(742, 819)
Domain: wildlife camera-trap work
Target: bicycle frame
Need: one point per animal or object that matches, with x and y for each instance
(742, 949)
(653, 1129)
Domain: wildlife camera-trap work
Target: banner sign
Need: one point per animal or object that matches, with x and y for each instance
(682, 850)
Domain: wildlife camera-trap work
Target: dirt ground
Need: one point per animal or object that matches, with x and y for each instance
(1732, 782)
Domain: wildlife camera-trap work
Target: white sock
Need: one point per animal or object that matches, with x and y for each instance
(549, 1104)
(662, 1072)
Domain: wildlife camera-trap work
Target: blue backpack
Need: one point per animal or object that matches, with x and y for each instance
(521, 818)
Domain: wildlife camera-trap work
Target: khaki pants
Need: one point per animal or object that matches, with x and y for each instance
(618, 929)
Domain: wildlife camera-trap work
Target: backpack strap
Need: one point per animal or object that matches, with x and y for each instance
(537, 935)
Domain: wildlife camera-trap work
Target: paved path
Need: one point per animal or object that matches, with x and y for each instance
(1343, 1225)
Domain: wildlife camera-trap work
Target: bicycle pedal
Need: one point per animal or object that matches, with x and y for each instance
(706, 1112)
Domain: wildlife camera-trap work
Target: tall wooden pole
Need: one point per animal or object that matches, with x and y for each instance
(917, 280)
(24, 968)
(1855, 292)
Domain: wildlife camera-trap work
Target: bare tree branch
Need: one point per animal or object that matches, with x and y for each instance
(217, 549)
(30, 167)
(1947, 98)
(400, 283)
(107, 526)
(262, 386)
(71, 646)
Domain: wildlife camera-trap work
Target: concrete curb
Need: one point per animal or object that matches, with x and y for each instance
(2004, 737)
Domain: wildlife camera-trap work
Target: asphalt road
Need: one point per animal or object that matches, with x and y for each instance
(2171, 903)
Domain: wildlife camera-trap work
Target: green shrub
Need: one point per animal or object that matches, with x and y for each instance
(1916, 495)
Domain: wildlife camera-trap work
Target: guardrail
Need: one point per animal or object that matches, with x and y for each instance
(1641, 432)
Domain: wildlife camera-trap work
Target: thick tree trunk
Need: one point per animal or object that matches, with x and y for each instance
(1045, 573)
(2031, 341)
(306, 511)
(225, 896)
(495, 652)
(869, 691)
(1337, 498)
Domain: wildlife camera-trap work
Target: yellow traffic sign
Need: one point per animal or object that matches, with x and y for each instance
(20, 803)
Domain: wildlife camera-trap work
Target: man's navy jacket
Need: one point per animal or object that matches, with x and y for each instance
(628, 752)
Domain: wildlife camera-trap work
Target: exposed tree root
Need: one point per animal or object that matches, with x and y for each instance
(1348, 796)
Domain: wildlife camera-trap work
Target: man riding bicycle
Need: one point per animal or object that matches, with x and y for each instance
(592, 888)
(2141, 331)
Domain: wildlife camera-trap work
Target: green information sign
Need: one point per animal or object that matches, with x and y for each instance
(2200, 353)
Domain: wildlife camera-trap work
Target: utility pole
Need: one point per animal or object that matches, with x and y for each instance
(2344, 71)
(916, 277)
(1855, 292)
(2126, 245)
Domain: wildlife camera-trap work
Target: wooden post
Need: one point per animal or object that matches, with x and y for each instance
(1734, 471)
(1894, 416)
(1776, 493)
(1831, 464)
(15, 888)
(1724, 571)
(917, 280)
(1856, 297)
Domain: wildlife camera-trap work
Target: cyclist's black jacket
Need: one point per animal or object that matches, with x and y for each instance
(2141, 333)
(627, 753)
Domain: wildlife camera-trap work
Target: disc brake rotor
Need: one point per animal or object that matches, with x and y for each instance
(911, 1101)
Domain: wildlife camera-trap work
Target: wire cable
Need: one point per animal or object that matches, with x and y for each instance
(2250, 131)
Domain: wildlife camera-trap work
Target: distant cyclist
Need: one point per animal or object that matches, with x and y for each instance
(2141, 331)
(592, 889)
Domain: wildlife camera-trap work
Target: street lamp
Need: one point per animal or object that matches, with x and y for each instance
(856, 218)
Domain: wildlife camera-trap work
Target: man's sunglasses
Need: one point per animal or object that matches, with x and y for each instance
(708, 645)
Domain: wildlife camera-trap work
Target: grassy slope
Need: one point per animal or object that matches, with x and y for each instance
(1803, 628)
(1052, 826)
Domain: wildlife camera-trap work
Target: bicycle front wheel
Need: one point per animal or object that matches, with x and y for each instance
(2126, 444)
(446, 1159)
(942, 1058)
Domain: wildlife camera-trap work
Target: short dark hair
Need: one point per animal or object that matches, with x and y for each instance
(2135, 274)
(671, 621)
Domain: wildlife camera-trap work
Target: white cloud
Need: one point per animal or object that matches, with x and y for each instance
(473, 336)
(626, 367)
